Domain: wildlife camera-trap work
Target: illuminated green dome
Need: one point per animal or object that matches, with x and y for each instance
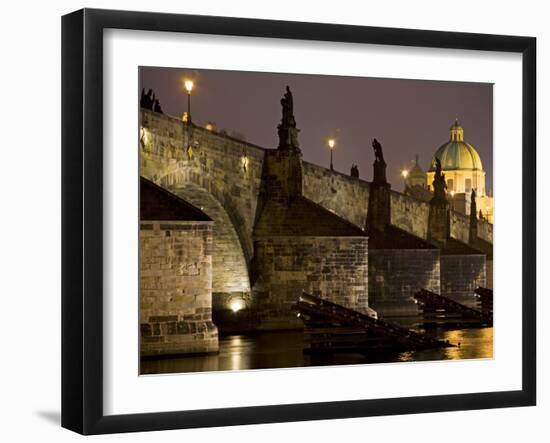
(457, 154)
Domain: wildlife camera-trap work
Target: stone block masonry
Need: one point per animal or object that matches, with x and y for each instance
(333, 268)
(337, 192)
(176, 288)
(410, 214)
(230, 277)
(461, 274)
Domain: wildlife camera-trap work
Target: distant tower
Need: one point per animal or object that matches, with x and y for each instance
(417, 177)
(415, 184)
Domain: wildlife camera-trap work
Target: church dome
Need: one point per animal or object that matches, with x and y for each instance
(456, 154)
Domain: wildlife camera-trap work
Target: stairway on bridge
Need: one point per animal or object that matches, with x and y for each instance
(331, 327)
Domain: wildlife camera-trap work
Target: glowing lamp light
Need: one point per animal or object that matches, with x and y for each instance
(188, 85)
(209, 126)
(237, 304)
(244, 162)
(452, 193)
(145, 136)
(405, 173)
(331, 143)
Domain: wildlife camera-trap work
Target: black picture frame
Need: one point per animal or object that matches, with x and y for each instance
(82, 219)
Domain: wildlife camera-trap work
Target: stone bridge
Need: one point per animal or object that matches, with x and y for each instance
(223, 177)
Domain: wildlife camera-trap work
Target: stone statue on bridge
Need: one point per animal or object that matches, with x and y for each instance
(379, 163)
(288, 133)
(378, 213)
(473, 218)
(146, 100)
(287, 103)
(150, 101)
(439, 183)
(439, 219)
(157, 107)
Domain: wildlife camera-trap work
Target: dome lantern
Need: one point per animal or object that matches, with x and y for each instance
(457, 132)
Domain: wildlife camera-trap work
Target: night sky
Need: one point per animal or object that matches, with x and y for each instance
(408, 117)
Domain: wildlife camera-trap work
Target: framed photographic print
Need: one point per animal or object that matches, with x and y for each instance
(270, 221)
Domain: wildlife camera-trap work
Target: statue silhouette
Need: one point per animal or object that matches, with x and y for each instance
(150, 101)
(287, 103)
(156, 107)
(439, 183)
(288, 133)
(379, 163)
(147, 100)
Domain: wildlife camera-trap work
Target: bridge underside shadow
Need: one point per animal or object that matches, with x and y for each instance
(230, 275)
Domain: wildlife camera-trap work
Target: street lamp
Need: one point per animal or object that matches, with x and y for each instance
(188, 87)
(405, 174)
(331, 144)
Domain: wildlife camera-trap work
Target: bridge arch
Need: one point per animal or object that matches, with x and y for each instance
(229, 268)
(187, 177)
(221, 176)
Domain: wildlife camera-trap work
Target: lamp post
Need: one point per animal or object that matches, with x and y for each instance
(331, 144)
(188, 87)
(404, 174)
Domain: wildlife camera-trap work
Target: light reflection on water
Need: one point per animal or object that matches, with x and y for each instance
(285, 350)
(470, 343)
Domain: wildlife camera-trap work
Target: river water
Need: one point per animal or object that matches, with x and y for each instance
(285, 350)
